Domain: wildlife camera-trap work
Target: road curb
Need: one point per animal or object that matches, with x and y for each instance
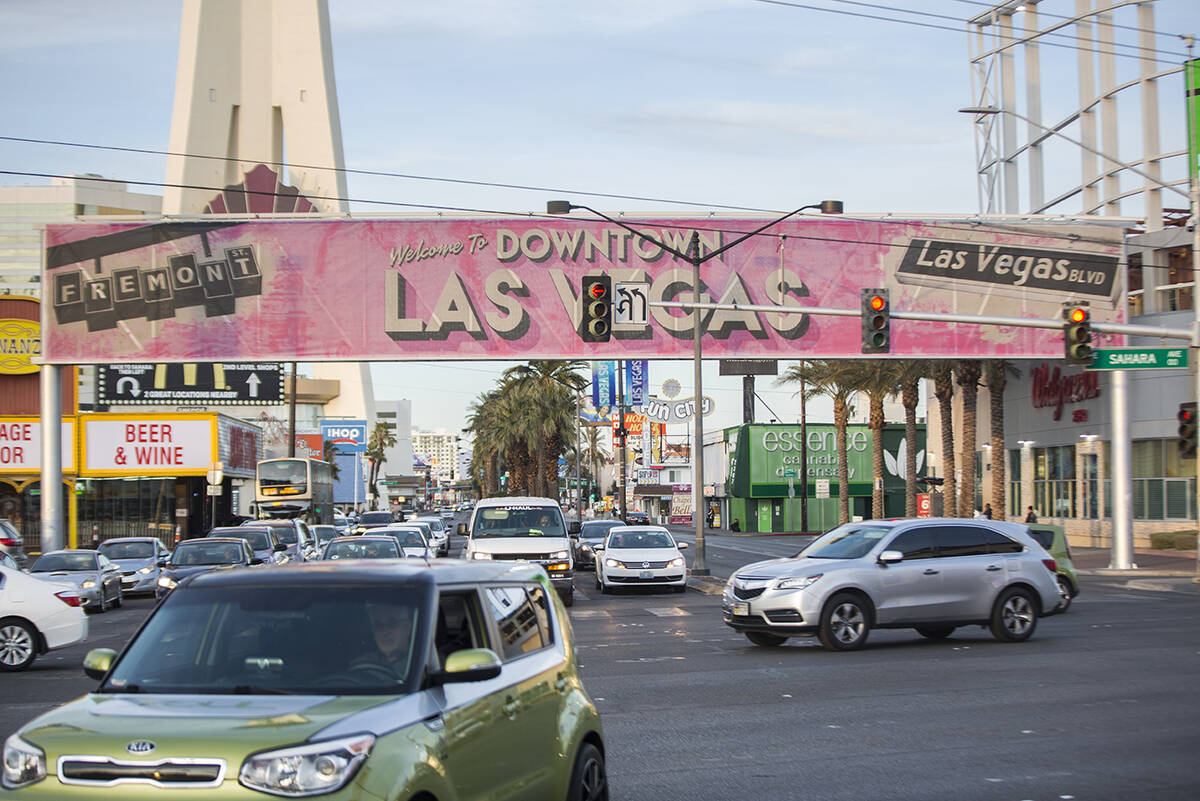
(1136, 572)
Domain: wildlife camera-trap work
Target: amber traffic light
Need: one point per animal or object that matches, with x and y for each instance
(876, 310)
(1077, 334)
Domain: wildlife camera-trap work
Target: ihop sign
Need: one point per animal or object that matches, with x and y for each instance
(347, 436)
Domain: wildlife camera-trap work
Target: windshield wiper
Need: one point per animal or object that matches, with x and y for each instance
(253, 689)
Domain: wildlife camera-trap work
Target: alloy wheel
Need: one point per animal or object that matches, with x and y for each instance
(16, 645)
(592, 781)
(1017, 615)
(847, 622)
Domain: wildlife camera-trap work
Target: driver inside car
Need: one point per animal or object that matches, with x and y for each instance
(391, 636)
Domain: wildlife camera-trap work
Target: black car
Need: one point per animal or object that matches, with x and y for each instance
(264, 542)
(201, 556)
(370, 520)
(592, 534)
(636, 518)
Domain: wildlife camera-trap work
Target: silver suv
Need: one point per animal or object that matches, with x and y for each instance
(932, 575)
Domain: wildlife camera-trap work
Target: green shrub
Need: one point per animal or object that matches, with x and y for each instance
(1173, 540)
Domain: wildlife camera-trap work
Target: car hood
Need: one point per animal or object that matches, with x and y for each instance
(520, 544)
(71, 578)
(791, 566)
(197, 725)
(642, 554)
(134, 564)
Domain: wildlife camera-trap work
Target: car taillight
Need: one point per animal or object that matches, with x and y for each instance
(8, 542)
(69, 598)
(1051, 565)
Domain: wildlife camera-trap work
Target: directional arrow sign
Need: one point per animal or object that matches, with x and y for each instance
(130, 383)
(252, 381)
(1139, 358)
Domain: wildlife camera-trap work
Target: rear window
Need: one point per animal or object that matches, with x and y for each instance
(1042, 537)
(376, 517)
(127, 550)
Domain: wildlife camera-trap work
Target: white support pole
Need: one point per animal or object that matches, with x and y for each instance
(53, 529)
(1121, 556)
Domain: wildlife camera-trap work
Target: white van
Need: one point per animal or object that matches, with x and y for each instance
(521, 529)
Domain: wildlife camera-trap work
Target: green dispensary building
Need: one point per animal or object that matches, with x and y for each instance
(763, 475)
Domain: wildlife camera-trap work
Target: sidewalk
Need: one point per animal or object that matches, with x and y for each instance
(1096, 561)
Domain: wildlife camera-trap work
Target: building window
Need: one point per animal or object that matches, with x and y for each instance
(1054, 481)
(1164, 487)
(1014, 484)
(1136, 303)
(1175, 291)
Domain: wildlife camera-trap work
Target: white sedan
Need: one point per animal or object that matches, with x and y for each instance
(640, 556)
(35, 617)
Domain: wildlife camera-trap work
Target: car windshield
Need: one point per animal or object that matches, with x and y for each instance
(519, 521)
(597, 529)
(359, 548)
(849, 541)
(640, 539)
(375, 518)
(259, 538)
(206, 553)
(286, 534)
(324, 533)
(127, 550)
(259, 640)
(435, 523)
(53, 562)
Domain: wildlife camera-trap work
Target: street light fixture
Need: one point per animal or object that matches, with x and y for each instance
(693, 257)
(1122, 556)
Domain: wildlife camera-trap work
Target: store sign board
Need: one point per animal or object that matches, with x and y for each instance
(510, 289)
(208, 384)
(21, 445)
(20, 344)
(150, 445)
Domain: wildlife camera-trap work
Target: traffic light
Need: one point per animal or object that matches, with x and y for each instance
(1187, 429)
(596, 322)
(876, 321)
(1077, 334)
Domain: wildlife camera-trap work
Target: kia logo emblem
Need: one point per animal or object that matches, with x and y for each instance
(140, 747)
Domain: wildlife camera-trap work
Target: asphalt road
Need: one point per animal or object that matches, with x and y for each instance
(1102, 703)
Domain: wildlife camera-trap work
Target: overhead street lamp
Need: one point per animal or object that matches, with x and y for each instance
(693, 257)
(1122, 556)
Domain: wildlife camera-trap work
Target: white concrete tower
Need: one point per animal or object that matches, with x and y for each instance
(254, 87)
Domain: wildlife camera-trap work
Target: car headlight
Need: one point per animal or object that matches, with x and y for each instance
(612, 563)
(481, 555)
(309, 769)
(676, 562)
(23, 763)
(560, 555)
(145, 571)
(166, 582)
(88, 584)
(798, 583)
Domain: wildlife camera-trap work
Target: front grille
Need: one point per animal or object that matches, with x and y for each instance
(639, 580)
(745, 594)
(88, 770)
(523, 557)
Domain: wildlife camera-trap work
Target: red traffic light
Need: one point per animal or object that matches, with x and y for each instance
(1078, 315)
(877, 303)
(597, 291)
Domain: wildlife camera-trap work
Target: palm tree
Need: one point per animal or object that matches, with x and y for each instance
(328, 452)
(380, 440)
(839, 381)
(997, 371)
(485, 457)
(879, 380)
(967, 375)
(550, 386)
(595, 453)
(943, 390)
(910, 395)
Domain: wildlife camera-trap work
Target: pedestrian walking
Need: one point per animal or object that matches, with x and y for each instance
(987, 511)
(1030, 515)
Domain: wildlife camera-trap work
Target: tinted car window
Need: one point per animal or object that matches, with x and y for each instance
(375, 518)
(961, 541)
(127, 550)
(259, 539)
(64, 561)
(915, 543)
(1043, 537)
(520, 629)
(998, 543)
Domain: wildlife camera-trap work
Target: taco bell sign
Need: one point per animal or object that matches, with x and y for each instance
(347, 436)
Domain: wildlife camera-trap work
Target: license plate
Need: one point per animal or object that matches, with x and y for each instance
(646, 574)
(741, 610)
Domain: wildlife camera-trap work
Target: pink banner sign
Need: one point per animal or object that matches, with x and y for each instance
(495, 288)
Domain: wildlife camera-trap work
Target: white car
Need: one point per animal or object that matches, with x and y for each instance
(410, 538)
(36, 616)
(438, 536)
(640, 556)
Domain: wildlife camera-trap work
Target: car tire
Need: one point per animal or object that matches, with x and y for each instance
(605, 589)
(1065, 593)
(1014, 617)
(935, 632)
(589, 779)
(569, 599)
(103, 601)
(120, 598)
(765, 639)
(845, 623)
(681, 588)
(18, 645)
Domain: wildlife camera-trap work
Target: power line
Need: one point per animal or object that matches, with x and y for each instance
(377, 173)
(933, 26)
(1134, 28)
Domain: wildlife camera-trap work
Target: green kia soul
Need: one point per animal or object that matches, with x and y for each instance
(342, 680)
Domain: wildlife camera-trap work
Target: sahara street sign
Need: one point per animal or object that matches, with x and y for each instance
(1139, 358)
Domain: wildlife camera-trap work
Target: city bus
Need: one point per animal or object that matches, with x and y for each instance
(294, 487)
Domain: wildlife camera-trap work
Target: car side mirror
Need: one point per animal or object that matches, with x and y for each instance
(280, 546)
(471, 664)
(162, 562)
(256, 561)
(574, 527)
(681, 546)
(462, 529)
(599, 547)
(891, 557)
(98, 662)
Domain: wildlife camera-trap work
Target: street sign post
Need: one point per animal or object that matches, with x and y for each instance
(1139, 358)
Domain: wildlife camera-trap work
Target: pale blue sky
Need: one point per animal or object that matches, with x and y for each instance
(737, 103)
